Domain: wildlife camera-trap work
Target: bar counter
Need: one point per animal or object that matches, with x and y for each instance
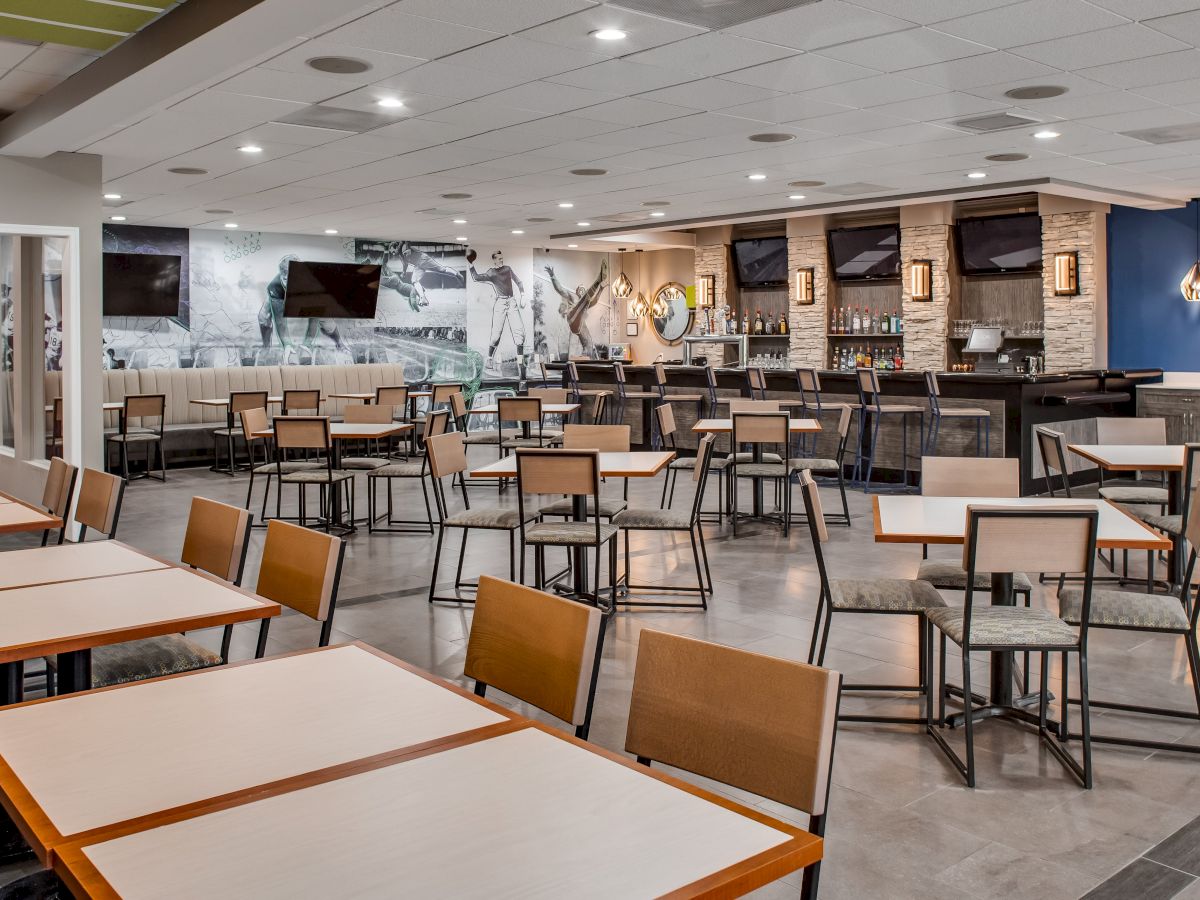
(1066, 401)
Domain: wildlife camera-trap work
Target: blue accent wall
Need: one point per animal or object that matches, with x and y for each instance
(1149, 322)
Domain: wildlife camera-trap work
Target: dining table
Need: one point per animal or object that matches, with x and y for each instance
(19, 515)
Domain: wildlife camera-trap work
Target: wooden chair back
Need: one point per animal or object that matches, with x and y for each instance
(744, 405)
(599, 408)
(666, 421)
(301, 401)
(605, 438)
(1054, 458)
(144, 406)
(520, 409)
(99, 506)
(619, 373)
(254, 421)
(458, 407)
(843, 426)
(1138, 430)
(757, 381)
(368, 414)
(572, 472)
(300, 569)
(441, 393)
(754, 722)
(243, 400)
(395, 396)
(302, 433)
(812, 506)
(436, 423)
(808, 380)
(958, 476)
(447, 454)
(534, 646)
(1030, 538)
(660, 374)
(60, 487)
(760, 428)
(550, 395)
(216, 538)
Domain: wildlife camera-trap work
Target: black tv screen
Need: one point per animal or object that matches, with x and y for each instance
(1000, 244)
(761, 261)
(140, 284)
(870, 252)
(326, 290)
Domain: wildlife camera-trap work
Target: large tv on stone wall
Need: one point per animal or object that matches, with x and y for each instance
(327, 290)
(869, 252)
(997, 244)
(141, 284)
(761, 261)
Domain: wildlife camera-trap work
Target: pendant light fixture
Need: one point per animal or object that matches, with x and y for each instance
(1190, 286)
(622, 287)
(641, 303)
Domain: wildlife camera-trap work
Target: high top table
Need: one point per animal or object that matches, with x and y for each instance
(916, 519)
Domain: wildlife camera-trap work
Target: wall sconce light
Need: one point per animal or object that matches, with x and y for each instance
(639, 306)
(804, 286)
(622, 287)
(920, 279)
(1066, 274)
(706, 290)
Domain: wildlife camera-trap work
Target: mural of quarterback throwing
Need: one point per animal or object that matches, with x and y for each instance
(574, 306)
(505, 310)
(271, 318)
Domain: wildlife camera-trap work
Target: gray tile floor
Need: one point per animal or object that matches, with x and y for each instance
(901, 823)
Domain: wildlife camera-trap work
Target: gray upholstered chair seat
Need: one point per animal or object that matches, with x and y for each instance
(575, 533)
(1006, 626)
(813, 465)
(227, 432)
(654, 519)
(492, 517)
(761, 470)
(1171, 524)
(149, 658)
(715, 463)
(1152, 495)
(1124, 608)
(135, 437)
(749, 457)
(411, 469)
(363, 463)
(609, 507)
(952, 577)
(521, 442)
(884, 594)
(316, 476)
(490, 437)
(291, 465)
(132, 429)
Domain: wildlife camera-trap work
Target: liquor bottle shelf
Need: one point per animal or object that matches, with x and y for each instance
(874, 334)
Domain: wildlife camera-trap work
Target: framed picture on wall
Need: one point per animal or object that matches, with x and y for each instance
(631, 329)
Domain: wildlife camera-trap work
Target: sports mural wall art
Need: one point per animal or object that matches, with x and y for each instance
(446, 312)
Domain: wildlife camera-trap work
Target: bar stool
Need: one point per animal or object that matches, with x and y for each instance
(624, 394)
(660, 380)
(757, 381)
(983, 420)
(572, 373)
(871, 403)
(808, 383)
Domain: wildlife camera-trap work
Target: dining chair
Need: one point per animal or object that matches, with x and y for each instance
(239, 401)
(756, 384)
(1172, 524)
(769, 429)
(538, 648)
(1020, 539)
(753, 722)
(718, 464)
(300, 402)
(57, 495)
(367, 414)
(1139, 431)
(835, 467)
(142, 407)
(99, 505)
(526, 413)
(669, 520)
(870, 596)
(255, 422)
(742, 404)
(447, 455)
(436, 423)
(310, 433)
(300, 569)
(606, 439)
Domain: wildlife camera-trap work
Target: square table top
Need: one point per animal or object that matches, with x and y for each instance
(1133, 457)
(73, 562)
(46, 619)
(635, 464)
(346, 431)
(224, 401)
(914, 519)
(725, 426)
(519, 814)
(17, 515)
(548, 409)
(92, 760)
(354, 395)
(107, 406)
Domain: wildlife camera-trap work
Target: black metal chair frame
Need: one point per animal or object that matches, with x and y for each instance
(123, 443)
(264, 627)
(324, 499)
(871, 404)
(232, 429)
(782, 481)
(983, 436)
(409, 526)
(672, 475)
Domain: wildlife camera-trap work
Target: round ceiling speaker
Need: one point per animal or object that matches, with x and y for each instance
(338, 65)
(589, 171)
(1036, 92)
(804, 184)
(656, 203)
(1007, 157)
(187, 170)
(539, 219)
(456, 196)
(772, 137)
(219, 212)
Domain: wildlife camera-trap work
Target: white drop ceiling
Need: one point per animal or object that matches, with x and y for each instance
(504, 98)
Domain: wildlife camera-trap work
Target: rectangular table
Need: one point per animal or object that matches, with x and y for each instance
(17, 515)
(548, 409)
(725, 426)
(914, 519)
(527, 813)
(69, 619)
(222, 402)
(173, 742)
(73, 562)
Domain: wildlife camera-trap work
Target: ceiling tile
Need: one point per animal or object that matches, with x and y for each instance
(854, 121)
(874, 91)
(442, 80)
(549, 97)
(818, 25)
(507, 16)
(784, 108)
(976, 71)
(1076, 86)
(712, 53)
(1184, 26)
(630, 111)
(482, 115)
(621, 76)
(709, 94)
(13, 52)
(943, 106)
(367, 100)
(279, 85)
(1100, 104)
(799, 73)
(1178, 66)
(55, 60)
(295, 135)
(19, 81)
(1158, 117)
(905, 50)
(926, 12)
(1146, 9)
(1172, 93)
(1099, 47)
(518, 56)
(1033, 20)
(575, 31)
(396, 32)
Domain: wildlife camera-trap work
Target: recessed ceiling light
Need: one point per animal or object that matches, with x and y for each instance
(977, 175)
(460, 221)
(461, 237)
(231, 224)
(610, 34)
(1046, 135)
(795, 196)
(1036, 92)
(658, 215)
(757, 176)
(187, 170)
(118, 218)
(566, 205)
(112, 196)
(331, 231)
(572, 246)
(517, 231)
(338, 65)
(250, 148)
(583, 224)
(772, 137)
(389, 102)
(589, 171)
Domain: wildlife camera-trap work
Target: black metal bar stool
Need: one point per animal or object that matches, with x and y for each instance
(983, 420)
(871, 404)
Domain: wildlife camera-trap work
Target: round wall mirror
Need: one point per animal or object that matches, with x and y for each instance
(676, 320)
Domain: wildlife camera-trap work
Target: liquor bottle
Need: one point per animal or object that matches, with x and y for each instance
(899, 323)
(770, 325)
(833, 321)
(841, 320)
(869, 359)
(885, 323)
(745, 323)
(899, 358)
(856, 323)
(872, 323)
(783, 325)
(758, 322)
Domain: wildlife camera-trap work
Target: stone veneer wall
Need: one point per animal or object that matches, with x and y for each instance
(1070, 321)
(925, 322)
(713, 259)
(807, 324)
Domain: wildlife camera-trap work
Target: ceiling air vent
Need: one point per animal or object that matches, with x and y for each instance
(711, 13)
(1168, 134)
(331, 117)
(996, 122)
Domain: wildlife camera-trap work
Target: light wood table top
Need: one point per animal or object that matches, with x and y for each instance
(345, 431)
(172, 742)
(354, 395)
(1133, 457)
(548, 409)
(73, 562)
(908, 519)
(108, 406)
(636, 464)
(77, 615)
(224, 401)
(725, 426)
(17, 515)
(529, 813)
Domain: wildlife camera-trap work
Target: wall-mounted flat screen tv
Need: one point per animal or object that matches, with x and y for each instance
(997, 244)
(869, 252)
(140, 284)
(327, 290)
(761, 261)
